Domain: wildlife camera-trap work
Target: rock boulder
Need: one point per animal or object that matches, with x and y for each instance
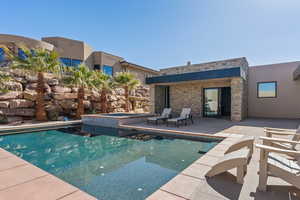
(20, 103)
(11, 95)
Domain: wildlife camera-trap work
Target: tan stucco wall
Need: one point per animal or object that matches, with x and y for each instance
(287, 103)
(24, 41)
(67, 48)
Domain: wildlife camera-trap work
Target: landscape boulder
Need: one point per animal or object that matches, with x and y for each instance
(68, 105)
(14, 86)
(10, 95)
(30, 95)
(53, 111)
(53, 82)
(3, 118)
(33, 86)
(21, 103)
(87, 104)
(63, 96)
(61, 89)
(4, 104)
(26, 112)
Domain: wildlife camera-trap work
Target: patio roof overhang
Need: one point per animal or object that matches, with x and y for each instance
(194, 76)
(296, 74)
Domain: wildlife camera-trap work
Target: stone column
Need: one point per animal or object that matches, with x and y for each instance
(152, 99)
(237, 97)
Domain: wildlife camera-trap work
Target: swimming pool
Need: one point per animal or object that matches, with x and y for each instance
(107, 167)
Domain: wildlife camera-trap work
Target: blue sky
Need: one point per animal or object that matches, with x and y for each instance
(163, 33)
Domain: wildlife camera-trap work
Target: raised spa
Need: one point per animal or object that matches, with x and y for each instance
(113, 120)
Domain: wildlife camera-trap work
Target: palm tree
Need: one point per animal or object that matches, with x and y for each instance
(81, 77)
(105, 83)
(37, 61)
(128, 82)
(3, 79)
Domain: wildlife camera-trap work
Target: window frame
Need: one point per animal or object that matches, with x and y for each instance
(21, 54)
(2, 55)
(97, 67)
(112, 70)
(262, 82)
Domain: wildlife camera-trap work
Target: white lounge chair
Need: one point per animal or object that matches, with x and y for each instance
(237, 156)
(271, 163)
(184, 117)
(293, 135)
(164, 116)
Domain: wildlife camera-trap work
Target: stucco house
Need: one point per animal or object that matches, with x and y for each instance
(73, 52)
(229, 88)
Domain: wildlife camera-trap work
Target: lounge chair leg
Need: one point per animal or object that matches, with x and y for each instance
(245, 169)
(240, 174)
(263, 171)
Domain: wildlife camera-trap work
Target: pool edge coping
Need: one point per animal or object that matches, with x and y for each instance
(229, 139)
(49, 125)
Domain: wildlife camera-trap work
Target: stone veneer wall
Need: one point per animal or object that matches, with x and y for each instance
(239, 103)
(237, 62)
(190, 94)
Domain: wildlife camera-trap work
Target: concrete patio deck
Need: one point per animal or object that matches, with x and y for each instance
(20, 180)
(191, 184)
(212, 126)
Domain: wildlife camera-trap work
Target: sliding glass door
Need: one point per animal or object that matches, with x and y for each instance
(211, 102)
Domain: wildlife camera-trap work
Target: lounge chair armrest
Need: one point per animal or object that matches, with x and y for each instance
(279, 129)
(277, 150)
(271, 132)
(280, 140)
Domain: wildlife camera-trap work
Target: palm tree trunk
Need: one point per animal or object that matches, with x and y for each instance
(40, 103)
(103, 101)
(126, 99)
(80, 106)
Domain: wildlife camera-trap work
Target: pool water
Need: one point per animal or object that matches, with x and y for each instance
(107, 167)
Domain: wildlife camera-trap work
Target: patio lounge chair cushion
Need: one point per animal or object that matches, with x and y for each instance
(185, 113)
(165, 114)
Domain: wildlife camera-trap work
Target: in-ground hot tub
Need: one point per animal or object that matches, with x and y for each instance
(114, 119)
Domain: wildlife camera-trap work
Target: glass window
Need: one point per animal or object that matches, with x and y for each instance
(2, 55)
(33, 52)
(65, 61)
(70, 62)
(108, 70)
(75, 62)
(22, 54)
(267, 90)
(97, 67)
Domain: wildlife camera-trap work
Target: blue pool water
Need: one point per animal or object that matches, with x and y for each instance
(107, 167)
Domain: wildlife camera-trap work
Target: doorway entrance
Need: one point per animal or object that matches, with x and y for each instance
(162, 98)
(217, 102)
